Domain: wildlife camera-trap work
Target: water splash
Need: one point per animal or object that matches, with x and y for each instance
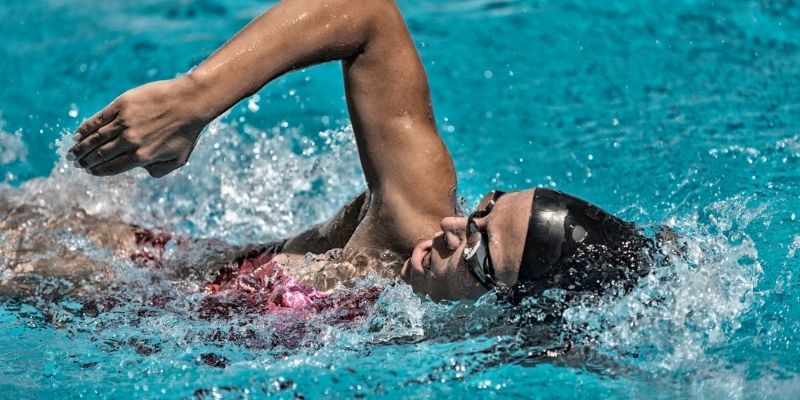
(671, 323)
(12, 150)
(794, 247)
(251, 187)
(691, 303)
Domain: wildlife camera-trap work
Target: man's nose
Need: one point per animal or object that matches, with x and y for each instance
(455, 231)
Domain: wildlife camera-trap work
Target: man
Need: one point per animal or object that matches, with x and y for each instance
(534, 239)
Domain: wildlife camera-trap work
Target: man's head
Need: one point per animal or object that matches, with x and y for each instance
(530, 240)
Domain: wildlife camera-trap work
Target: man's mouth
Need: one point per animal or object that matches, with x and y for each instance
(421, 256)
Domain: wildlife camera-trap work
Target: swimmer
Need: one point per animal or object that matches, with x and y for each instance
(518, 243)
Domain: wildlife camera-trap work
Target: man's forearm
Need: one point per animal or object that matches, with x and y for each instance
(293, 34)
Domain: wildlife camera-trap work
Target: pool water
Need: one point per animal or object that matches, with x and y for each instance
(679, 112)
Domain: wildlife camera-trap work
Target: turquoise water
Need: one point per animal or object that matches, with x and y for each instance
(682, 113)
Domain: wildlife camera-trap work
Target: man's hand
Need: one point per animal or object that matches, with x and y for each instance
(154, 126)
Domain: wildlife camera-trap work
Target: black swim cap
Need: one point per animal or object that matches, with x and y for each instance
(574, 245)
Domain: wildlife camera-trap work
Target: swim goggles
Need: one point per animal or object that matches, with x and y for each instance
(476, 254)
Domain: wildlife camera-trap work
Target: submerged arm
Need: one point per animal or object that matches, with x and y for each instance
(408, 169)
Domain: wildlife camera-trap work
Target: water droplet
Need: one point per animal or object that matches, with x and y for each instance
(252, 103)
(73, 110)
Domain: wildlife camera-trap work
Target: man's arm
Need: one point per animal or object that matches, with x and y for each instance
(408, 169)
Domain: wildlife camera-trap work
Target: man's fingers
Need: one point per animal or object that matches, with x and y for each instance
(105, 152)
(97, 121)
(159, 169)
(101, 137)
(118, 165)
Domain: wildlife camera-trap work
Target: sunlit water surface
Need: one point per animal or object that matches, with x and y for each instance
(681, 113)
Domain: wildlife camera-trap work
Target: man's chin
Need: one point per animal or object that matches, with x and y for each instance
(409, 273)
(410, 276)
(405, 270)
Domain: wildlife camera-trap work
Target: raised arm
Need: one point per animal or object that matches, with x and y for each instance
(408, 169)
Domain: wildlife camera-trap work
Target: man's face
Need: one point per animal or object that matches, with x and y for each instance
(437, 266)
